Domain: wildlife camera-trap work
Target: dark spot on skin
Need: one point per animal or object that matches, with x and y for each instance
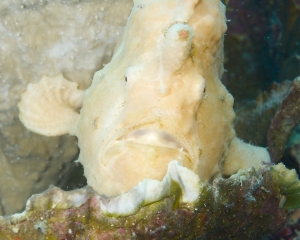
(125, 79)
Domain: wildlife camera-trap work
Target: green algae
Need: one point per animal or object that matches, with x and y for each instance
(288, 184)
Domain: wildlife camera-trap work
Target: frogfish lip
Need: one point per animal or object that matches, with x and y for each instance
(141, 140)
(153, 137)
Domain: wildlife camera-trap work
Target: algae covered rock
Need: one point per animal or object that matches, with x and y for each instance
(285, 121)
(247, 205)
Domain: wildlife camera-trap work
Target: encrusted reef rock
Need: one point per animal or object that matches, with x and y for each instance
(285, 121)
(258, 114)
(247, 205)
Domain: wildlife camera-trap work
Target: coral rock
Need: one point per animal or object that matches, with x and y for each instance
(285, 121)
(247, 205)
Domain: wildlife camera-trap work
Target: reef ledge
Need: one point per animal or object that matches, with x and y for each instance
(247, 205)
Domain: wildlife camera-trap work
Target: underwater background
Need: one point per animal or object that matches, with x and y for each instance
(262, 56)
(262, 48)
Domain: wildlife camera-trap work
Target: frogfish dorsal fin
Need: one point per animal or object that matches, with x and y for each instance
(50, 106)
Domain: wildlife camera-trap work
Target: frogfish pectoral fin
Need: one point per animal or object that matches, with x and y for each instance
(50, 106)
(242, 155)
